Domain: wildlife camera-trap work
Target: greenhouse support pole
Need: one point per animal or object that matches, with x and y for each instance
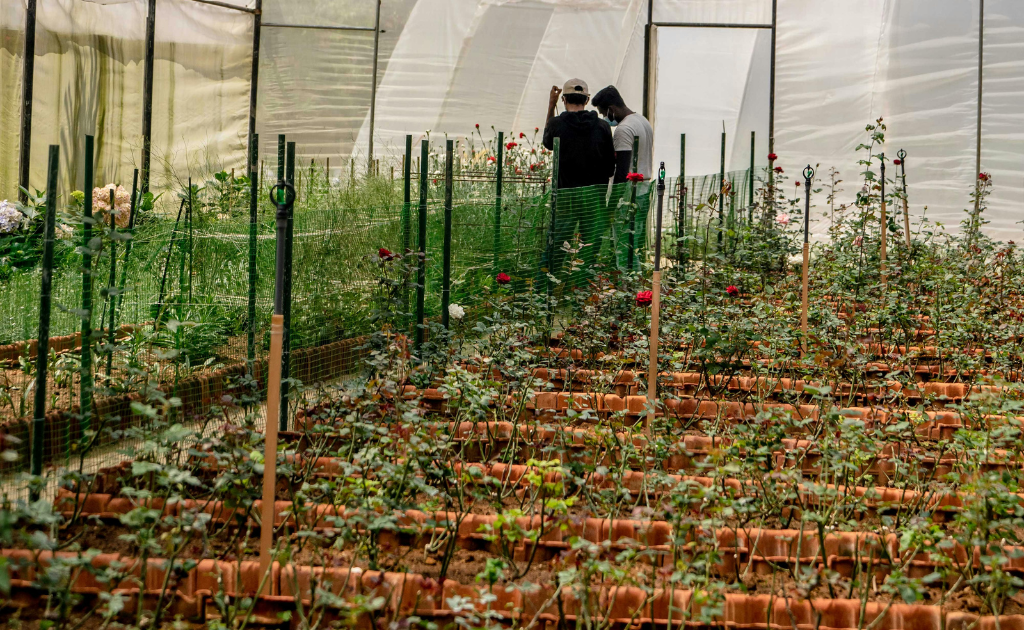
(652, 369)
(250, 345)
(286, 340)
(771, 106)
(254, 82)
(373, 86)
(28, 69)
(752, 147)
(681, 218)
(421, 244)
(111, 286)
(446, 252)
(721, 191)
(647, 59)
(884, 228)
(808, 176)
(630, 255)
(283, 196)
(86, 382)
(42, 354)
(981, 76)
(147, 95)
(902, 155)
(498, 172)
(407, 221)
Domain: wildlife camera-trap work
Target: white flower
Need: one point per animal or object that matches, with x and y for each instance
(456, 311)
(782, 219)
(11, 219)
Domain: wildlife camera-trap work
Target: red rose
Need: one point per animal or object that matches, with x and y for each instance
(511, 145)
(798, 183)
(778, 169)
(533, 167)
(522, 135)
(732, 290)
(897, 162)
(772, 157)
(502, 278)
(644, 298)
(435, 182)
(492, 159)
(635, 177)
(478, 125)
(385, 254)
(984, 177)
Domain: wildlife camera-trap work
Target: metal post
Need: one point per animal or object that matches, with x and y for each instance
(254, 142)
(254, 81)
(86, 384)
(283, 196)
(652, 370)
(373, 86)
(752, 171)
(647, 59)
(721, 189)
(421, 276)
(808, 176)
(499, 172)
(981, 76)
(42, 349)
(111, 284)
(147, 95)
(446, 266)
(902, 155)
(885, 227)
(555, 156)
(286, 352)
(407, 219)
(771, 106)
(630, 262)
(27, 86)
(681, 228)
(131, 231)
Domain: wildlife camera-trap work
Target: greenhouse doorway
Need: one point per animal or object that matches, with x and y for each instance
(710, 79)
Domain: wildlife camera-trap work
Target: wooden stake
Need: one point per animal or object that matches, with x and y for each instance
(270, 445)
(652, 370)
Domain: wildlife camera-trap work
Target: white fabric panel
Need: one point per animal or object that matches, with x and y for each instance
(701, 86)
(716, 12)
(754, 109)
(1002, 152)
(12, 45)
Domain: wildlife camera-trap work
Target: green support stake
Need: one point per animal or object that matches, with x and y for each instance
(421, 276)
(39, 413)
(112, 288)
(407, 221)
(86, 387)
(499, 172)
(681, 216)
(555, 153)
(286, 353)
(635, 159)
(752, 171)
(721, 183)
(254, 192)
(446, 267)
(131, 232)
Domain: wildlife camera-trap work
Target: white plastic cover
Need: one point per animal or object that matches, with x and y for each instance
(446, 65)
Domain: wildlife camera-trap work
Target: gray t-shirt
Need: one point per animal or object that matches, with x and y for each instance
(637, 125)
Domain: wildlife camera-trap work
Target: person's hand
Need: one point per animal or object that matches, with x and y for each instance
(553, 97)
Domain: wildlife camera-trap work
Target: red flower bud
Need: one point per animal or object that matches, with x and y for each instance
(732, 290)
(635, 177)
(778, 169)
(522, 135)
(897, 162)
(385, 254)
(772, 157)
(478, 125)
(511, 145)
(502, 278)
(984, 177)
(644, 298)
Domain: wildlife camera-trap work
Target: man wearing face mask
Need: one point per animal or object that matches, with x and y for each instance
(627, 124)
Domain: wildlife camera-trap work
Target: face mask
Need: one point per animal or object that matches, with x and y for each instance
(611, 121)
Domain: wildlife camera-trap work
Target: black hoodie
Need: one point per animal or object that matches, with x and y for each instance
(586, 153)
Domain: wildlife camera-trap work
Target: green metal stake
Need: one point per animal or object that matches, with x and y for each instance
(39, 414)
(555, 149)
(131, 231)
(632, 205)
(111, 287)
(446, 268)
(721, 183)
(407, 220)
(751, 172)
(286, 352)
(86, 386)
(254, 192)
(499, 172)
(421, 276)
(681, 218)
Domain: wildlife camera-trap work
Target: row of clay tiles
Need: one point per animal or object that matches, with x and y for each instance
(626, 382)
(407, 594)
(10, 353)
(197, 394)
(865, 499)
(759, 548)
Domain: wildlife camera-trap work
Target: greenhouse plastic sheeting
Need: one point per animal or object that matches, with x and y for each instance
(446, 65)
